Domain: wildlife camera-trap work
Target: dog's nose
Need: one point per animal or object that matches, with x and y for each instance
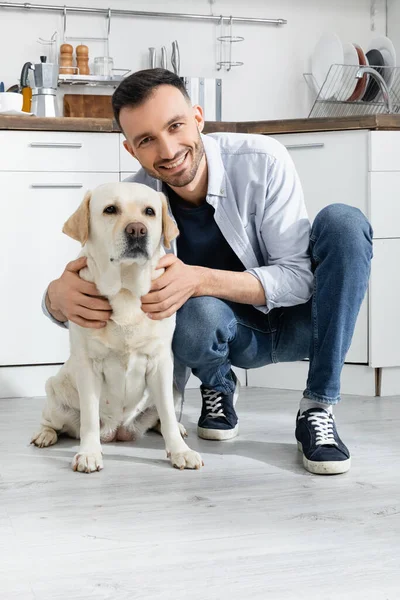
(136, 230)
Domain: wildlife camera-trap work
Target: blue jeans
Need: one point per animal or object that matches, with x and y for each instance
(211, 334)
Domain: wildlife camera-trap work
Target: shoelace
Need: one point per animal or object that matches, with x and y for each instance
(213, 403)
(323, 426)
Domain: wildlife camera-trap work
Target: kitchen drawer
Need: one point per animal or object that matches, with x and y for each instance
(33, 250)
(385, 204)
(332, 166)
(127, 163)
(59, 151)
(384, 304)
(384, 152)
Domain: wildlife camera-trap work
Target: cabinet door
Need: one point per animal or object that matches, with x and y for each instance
(59, 151)
(333, 167)
(384, 309)
(34, 207)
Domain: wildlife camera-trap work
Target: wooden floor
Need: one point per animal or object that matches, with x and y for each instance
(251, 525)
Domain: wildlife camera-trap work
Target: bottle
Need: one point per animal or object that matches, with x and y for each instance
(82, 59)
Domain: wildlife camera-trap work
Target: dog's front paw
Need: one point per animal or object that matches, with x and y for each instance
(189, 459)
(46, 437)
(87, 462)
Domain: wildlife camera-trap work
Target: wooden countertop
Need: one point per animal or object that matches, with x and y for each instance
(378, 122)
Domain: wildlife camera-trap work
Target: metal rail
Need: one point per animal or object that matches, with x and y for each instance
(137, 13)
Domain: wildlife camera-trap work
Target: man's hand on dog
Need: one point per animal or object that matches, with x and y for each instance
(71, 298)
(179, 283)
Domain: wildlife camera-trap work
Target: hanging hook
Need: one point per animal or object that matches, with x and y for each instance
(220, 25)
(108, 31)
(64, 22)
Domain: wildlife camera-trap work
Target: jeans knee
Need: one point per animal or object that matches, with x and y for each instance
(202, 326)
(344, 226)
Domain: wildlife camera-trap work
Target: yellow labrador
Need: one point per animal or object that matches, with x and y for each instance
(118, 380)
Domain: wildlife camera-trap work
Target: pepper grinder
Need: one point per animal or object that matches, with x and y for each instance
(66, 67)
(82, 59)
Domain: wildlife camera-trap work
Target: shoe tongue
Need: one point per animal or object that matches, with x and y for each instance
(317, 410)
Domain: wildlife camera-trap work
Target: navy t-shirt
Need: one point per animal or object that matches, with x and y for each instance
(200, 241)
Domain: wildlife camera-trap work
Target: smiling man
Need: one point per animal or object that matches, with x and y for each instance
(250, 281)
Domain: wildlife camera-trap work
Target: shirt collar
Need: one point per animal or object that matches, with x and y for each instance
(215, 166)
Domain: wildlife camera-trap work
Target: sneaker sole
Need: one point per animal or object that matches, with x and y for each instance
(331, 467)
(217, 434)
(221, 434)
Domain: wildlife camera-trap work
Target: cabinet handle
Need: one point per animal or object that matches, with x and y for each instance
(56, 144)
(56, 185)
(300, 146)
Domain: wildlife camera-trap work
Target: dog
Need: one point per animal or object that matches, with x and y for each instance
(118, 380)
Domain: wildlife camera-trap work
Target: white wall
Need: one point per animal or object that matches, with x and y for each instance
(393, 24)
(270, 85)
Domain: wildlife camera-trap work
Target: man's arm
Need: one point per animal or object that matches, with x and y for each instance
(180, 282)
(56, 314)
(230, 285)
(71, 298)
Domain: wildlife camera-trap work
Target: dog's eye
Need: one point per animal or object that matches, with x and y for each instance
(110, 210)
(150, 211)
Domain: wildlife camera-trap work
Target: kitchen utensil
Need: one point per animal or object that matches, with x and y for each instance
(386, 48)
(206, 92)
(66, 60)
(44, 101)
(163, 57)
(152, 56)
(175, 58)
(362, 83)
(25, 87)
(327, 52)
(88, 105)
(82, 59)
(10, 101)
(103, 66)
(376, 61)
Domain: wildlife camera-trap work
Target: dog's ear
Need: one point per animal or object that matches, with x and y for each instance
(170, 230)
(77, 226)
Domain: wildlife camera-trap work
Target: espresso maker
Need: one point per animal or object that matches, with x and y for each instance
(44, 90)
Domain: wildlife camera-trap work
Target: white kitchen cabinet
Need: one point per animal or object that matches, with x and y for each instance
(333, 167)
(384, 203)
(384, 152)
(384, 304)
(34, 207)
(59, 151)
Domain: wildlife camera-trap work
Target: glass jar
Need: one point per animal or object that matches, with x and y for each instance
(103, 66)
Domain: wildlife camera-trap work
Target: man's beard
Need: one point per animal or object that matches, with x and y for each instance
(181, 179)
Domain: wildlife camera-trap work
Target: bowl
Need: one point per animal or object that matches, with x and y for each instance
(10, 101)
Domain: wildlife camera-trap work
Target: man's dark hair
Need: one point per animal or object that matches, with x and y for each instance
(138, 87)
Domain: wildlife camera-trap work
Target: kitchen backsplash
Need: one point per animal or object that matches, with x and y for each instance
(270, 83)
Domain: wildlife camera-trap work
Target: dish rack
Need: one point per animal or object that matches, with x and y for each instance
(351, 90)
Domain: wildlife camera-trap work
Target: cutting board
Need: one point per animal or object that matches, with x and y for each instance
(88, 105)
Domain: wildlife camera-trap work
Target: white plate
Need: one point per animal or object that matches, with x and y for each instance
(349, 81)
(386, 48)
(18, 113)
(327, 52)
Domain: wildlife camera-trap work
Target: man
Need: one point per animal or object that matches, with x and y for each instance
(251, 282)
